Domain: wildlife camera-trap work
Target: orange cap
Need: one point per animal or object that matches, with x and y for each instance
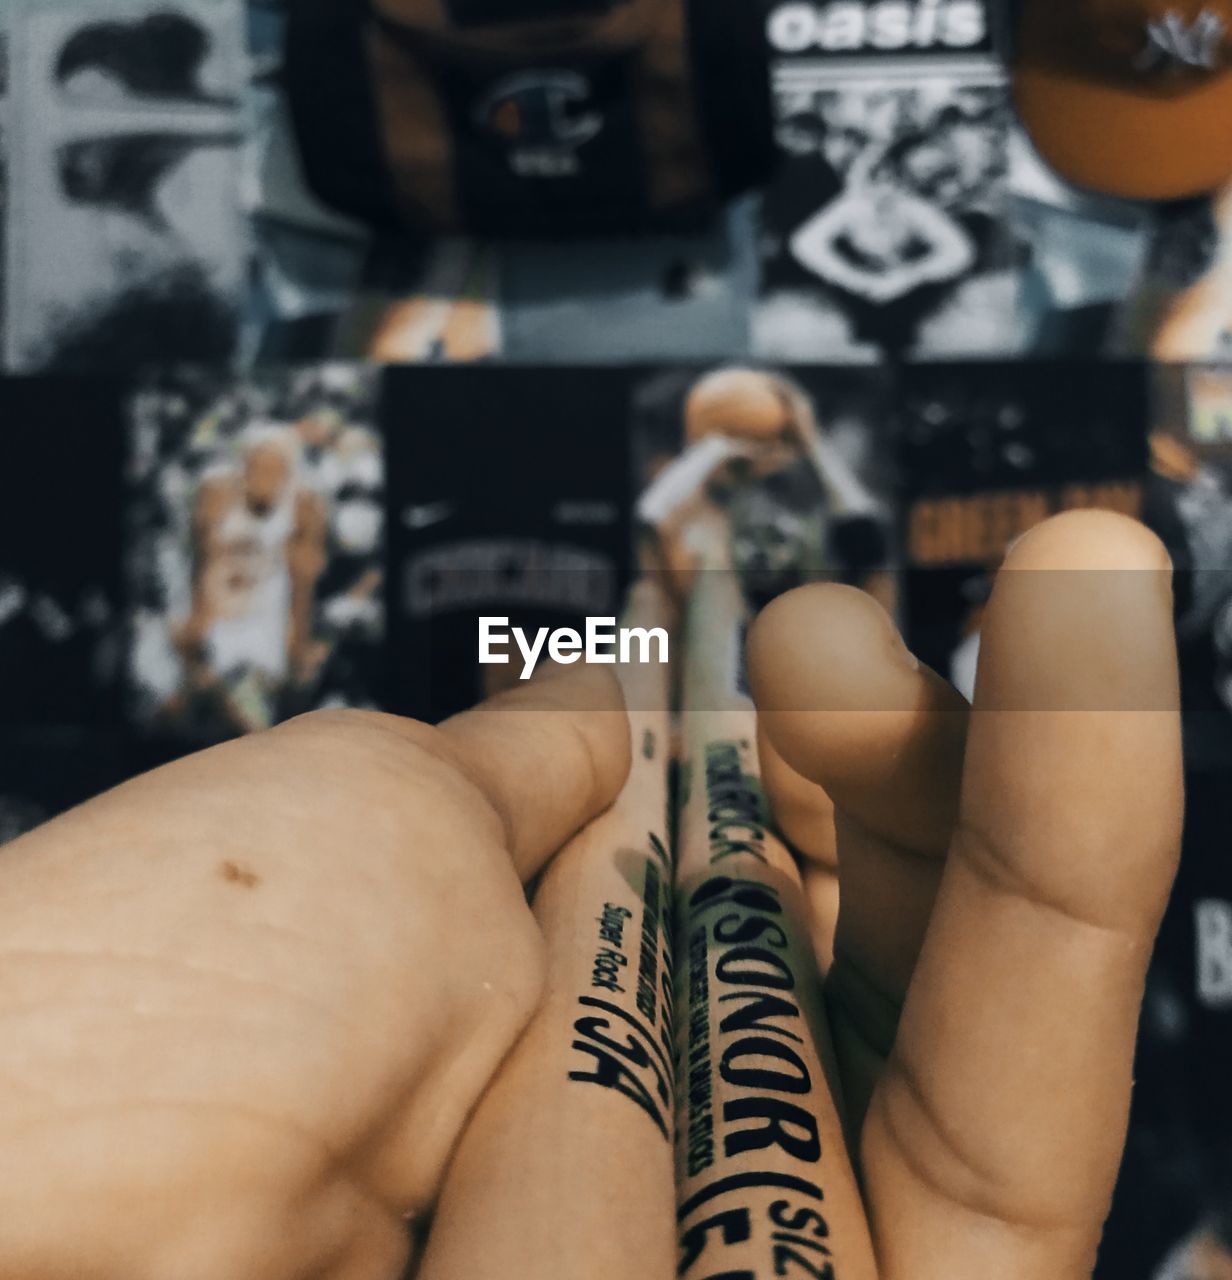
(1131, 98)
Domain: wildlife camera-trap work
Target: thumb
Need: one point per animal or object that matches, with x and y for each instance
(549, 756)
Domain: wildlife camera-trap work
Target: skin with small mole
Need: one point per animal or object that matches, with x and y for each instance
(233, 873)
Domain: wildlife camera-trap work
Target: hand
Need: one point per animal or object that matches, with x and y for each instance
(249, 1000)
(1002, 873)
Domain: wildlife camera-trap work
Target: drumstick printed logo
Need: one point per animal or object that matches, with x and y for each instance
(749, 1045)
(760, 1030)
(610, 958)
(627, 1043)
(736, 805)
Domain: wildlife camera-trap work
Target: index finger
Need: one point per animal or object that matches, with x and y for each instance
(997, 1129)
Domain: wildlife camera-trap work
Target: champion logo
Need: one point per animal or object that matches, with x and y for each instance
(1173, 42)
(541, 108)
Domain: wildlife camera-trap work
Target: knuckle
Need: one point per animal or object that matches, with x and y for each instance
(366, 733)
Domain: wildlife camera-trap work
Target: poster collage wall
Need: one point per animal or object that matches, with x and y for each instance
(218, 509)
(156, 211)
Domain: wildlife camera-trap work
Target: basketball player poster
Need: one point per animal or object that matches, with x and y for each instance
(1189, 504)
(797, 458)
(126, 239)
(884, 233)
(255, 548)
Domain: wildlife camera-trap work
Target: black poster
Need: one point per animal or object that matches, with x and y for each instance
(61, 533)
(509, 496)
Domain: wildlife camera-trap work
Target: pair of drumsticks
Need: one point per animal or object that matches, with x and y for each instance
(671, 1107)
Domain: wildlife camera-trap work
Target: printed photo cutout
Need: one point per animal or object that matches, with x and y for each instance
(1189, 504)
(1117, 277)
(425, 304)
(127, 241)
(1180, 307)
(796, 460)
(5, 140)
(884, 233)
(1172, 1214)
(160, 56)
(256, 548)
(1083, 253)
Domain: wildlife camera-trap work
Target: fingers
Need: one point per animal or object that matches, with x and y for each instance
(846, 707)
(1001, 1117)
(549, 756)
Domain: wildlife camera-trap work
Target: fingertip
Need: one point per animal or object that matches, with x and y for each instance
(847, 707)
(1082, 786)
(1081, 618)
(824, 647)
(1089, 540)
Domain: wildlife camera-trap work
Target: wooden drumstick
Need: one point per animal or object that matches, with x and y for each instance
(566, 1169)
(764, 1182)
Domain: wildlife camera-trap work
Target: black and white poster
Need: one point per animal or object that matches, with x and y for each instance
(5, 144)
(884, 233)
(126, 240)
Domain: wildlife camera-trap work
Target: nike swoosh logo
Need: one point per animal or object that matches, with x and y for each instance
(426, 514)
